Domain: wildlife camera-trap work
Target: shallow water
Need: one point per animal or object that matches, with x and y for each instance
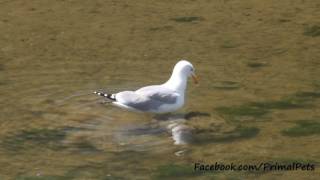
(258, 98)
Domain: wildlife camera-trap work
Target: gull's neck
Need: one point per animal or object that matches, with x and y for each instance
(177, 81)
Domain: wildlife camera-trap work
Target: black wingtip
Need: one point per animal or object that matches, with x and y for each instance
(109, 96)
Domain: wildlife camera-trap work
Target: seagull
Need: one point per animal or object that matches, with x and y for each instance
(164, 98)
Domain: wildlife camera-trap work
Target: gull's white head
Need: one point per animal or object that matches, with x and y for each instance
(185, 69)
(181, 71)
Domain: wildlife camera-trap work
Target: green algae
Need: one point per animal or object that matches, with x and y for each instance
(256, 110)
(303, 128)
(243, 110)
(186, 19)
(312, 31)
(256, 64)
(225, 85)
(180, 171)
(47, 138)
(239, 133)
(42, 178)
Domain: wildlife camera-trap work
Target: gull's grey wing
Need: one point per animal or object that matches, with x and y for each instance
(147, 99)
(159, 93)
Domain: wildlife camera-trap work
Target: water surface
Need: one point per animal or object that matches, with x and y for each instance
(258, 98)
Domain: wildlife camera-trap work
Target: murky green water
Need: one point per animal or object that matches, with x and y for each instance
(258, 100)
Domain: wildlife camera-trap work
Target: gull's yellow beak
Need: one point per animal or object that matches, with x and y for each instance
(195, 78)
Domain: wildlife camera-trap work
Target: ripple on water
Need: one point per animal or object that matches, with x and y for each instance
(181, 133)
(141, 137)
